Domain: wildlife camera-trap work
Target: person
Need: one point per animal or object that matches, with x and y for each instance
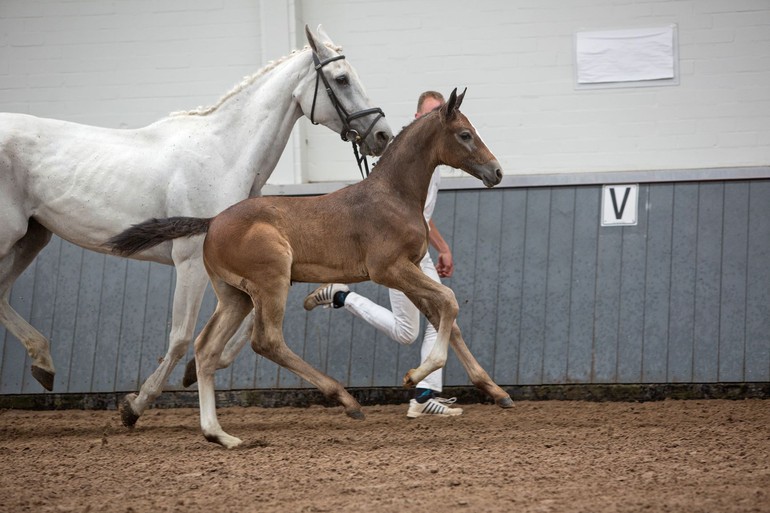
(402, 321)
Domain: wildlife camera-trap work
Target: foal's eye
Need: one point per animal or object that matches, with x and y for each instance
(342, 80)
(466, 136)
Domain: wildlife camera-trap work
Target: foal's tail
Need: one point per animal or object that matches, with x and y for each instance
(152, 232)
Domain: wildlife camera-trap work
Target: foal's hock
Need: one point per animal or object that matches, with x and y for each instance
(373, 230)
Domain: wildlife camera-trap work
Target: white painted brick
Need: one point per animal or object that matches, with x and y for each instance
(130, 62)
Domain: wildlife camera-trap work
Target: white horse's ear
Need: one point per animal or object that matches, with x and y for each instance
(323, 35)
(311, 39)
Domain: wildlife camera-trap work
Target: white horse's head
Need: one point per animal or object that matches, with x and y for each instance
(338, 99)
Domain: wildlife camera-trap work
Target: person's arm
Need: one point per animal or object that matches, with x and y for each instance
(445, 264)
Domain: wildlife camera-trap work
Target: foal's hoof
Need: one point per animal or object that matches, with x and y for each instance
(44, 377)
(356, 414)
(505, 402)
(127, 414)
(190, 374)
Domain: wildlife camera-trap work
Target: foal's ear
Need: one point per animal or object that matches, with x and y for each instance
(460, 99)
(448, 109)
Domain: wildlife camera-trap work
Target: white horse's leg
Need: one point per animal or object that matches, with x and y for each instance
(191, 280)
(12, 264)
(231, 308)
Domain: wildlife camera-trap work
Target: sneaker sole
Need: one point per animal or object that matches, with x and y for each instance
(411, 415)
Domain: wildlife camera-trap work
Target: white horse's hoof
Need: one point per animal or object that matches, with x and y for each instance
(127, 413)
(225, 440)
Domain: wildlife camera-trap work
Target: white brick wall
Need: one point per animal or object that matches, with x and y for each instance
(516, 57)
(126, 63)
(123, 63)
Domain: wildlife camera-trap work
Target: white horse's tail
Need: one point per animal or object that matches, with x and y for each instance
(152, 232)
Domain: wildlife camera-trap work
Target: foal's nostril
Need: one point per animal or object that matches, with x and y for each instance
(499, 173)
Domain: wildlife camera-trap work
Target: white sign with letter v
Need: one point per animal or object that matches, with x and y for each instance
(620, 205)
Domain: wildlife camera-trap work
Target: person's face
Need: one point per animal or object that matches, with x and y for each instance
(428, 106)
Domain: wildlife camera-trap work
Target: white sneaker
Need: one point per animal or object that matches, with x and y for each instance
(435, 406)
(324, 295)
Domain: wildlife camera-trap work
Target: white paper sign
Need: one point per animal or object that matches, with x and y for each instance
(619, 205)
(625, 55)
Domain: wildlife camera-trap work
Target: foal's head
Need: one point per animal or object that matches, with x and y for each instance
(461, 147)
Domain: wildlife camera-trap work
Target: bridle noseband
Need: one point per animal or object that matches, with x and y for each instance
(348, 133)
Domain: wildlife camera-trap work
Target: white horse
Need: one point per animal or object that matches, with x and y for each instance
(87, 184)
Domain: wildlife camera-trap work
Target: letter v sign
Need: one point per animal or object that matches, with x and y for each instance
(619, 205)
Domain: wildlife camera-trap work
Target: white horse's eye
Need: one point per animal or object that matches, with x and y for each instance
(342, 80)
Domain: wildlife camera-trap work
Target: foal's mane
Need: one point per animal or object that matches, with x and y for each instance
(397, 145)
(246, 82)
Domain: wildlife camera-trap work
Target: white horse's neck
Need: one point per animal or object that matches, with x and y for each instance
(251, 125)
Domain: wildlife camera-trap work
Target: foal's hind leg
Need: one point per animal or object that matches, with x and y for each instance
(267, 340)
(12, 264)
(231, 350)
(232, 307)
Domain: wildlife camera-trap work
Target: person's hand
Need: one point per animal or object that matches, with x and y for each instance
(445, 265)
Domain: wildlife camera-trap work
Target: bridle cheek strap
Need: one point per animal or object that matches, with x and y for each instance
(348, 133)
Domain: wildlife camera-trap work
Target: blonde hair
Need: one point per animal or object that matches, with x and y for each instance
(429, 94)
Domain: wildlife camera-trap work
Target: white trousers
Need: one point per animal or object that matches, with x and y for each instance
(401, 322)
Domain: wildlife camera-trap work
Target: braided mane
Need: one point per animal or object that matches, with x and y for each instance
(246, 82)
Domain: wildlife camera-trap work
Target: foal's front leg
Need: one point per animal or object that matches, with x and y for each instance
(436, 301)
(232, 307)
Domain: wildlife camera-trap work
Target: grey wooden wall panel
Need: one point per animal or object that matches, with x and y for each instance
(132, 325)
(532, 334)
(732, 320)
(682, 302)
(108, 335)
(86, 327)
(558, 285)
(582, 286)
(708, 282)
(66, 306)
(632, 300)
(486, 274)
(607, 312)
(546, 296)
(657, 284)
(758, 293)
(513, 224)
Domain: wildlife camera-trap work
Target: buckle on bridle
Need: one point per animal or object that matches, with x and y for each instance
(348, 133)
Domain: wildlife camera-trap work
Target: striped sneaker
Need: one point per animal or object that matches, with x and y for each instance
(324, 295)
(434, 406)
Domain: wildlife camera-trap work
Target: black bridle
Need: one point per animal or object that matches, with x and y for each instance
(348, 133)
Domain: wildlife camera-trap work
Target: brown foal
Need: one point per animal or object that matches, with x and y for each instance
(372, 230)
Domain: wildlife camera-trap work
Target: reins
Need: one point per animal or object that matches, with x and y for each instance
(348, 133)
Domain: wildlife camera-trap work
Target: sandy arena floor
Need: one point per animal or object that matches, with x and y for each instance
(678, 456)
